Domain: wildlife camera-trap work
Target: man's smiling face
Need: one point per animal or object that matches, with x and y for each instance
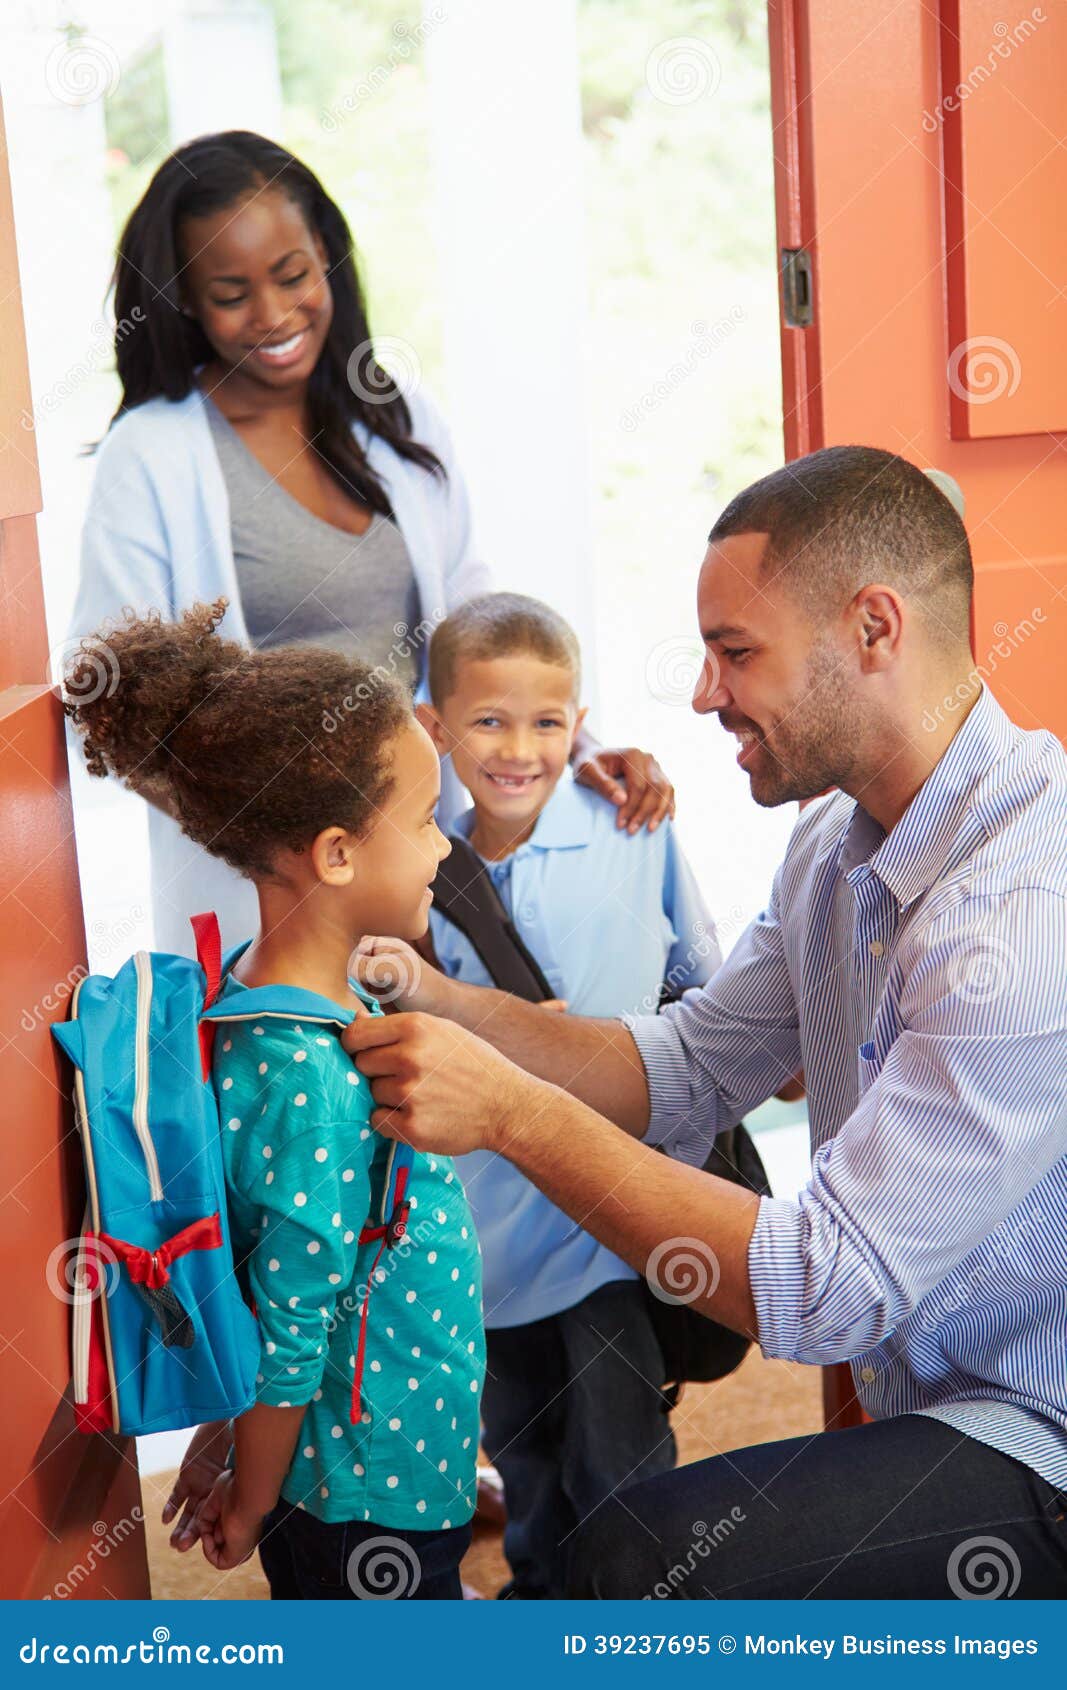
(784, 685)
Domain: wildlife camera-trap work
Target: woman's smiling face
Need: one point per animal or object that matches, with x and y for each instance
(255, 277)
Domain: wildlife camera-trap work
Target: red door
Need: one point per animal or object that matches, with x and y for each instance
(920, 179)
(70, 1505)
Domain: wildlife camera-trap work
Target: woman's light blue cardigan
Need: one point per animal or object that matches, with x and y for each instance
(157, 536)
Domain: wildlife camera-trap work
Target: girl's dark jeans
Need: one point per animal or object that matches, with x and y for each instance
(308, 1559)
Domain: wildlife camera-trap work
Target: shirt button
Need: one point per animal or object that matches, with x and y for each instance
(876, 947)
(868, 1375)
(527, 913)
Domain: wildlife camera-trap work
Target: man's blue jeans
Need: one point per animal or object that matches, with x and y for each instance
(907, 1507)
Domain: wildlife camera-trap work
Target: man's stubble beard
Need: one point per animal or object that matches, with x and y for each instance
(817, 743)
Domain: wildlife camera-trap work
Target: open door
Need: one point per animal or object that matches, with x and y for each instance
(920, 180)
(70, 1505)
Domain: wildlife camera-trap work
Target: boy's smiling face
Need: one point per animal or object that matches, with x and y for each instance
(508, 725)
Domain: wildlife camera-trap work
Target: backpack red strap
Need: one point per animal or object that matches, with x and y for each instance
(390, 1234)
(209, 955)
(152, 1267)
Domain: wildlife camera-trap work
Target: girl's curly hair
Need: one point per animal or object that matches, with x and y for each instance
(234, 742)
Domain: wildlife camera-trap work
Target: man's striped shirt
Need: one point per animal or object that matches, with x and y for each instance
(919, 978)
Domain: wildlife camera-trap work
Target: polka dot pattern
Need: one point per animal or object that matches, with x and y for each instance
(304, 1174)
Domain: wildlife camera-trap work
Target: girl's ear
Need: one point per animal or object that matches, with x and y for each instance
(333, 856)
(431, 721)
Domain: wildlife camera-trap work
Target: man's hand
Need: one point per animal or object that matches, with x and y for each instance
(439, 1087)
(204, 1460)
(394, 972)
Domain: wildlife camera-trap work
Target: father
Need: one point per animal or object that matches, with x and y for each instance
(912, 960)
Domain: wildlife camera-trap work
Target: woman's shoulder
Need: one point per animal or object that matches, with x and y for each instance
(154, 431)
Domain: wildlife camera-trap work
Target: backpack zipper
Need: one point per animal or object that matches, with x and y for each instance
(81, 1330)
(143, 966)
(81, 1322)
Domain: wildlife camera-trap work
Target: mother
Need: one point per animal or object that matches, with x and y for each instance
(260, 452)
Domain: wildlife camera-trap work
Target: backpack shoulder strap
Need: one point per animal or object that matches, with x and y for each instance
(464, 894)
(209, 955)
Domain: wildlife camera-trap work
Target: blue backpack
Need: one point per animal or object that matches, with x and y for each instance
(162, 1336)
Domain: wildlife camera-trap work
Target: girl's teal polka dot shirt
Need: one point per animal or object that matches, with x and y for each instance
(305, 1172)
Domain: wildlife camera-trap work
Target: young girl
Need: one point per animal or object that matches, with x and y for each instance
(336, 829)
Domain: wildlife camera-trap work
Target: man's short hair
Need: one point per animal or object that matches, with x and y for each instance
(848, 515)
(500, 625)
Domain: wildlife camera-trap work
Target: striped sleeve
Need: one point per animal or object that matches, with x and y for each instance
(725, 1047)
(960, 1120)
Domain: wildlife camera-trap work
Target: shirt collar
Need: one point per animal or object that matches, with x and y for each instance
(910, 857)
(564, 824)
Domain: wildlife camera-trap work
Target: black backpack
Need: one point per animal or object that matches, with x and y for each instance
(693, 1346)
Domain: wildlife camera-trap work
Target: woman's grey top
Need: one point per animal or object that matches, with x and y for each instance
(302, 579)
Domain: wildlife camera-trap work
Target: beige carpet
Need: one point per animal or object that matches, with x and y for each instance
(761, 1401)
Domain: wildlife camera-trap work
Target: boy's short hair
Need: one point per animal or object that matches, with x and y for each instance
(500, 625)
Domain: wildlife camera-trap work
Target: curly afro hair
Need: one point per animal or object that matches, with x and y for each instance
(234, 742)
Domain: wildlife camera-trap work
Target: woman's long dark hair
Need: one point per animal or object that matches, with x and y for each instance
(161, 354)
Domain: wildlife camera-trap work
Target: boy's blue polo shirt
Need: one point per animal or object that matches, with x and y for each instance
(609, 917)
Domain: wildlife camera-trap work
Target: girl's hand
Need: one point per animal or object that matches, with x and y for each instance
(648, 797)
(201, 1465)
(228, 1532)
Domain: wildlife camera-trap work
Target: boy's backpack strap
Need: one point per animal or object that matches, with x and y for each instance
(209, 955)
(464, 894)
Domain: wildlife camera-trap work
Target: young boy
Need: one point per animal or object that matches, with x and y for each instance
(573, 1408)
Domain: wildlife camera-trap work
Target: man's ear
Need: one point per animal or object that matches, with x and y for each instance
(431, 721)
